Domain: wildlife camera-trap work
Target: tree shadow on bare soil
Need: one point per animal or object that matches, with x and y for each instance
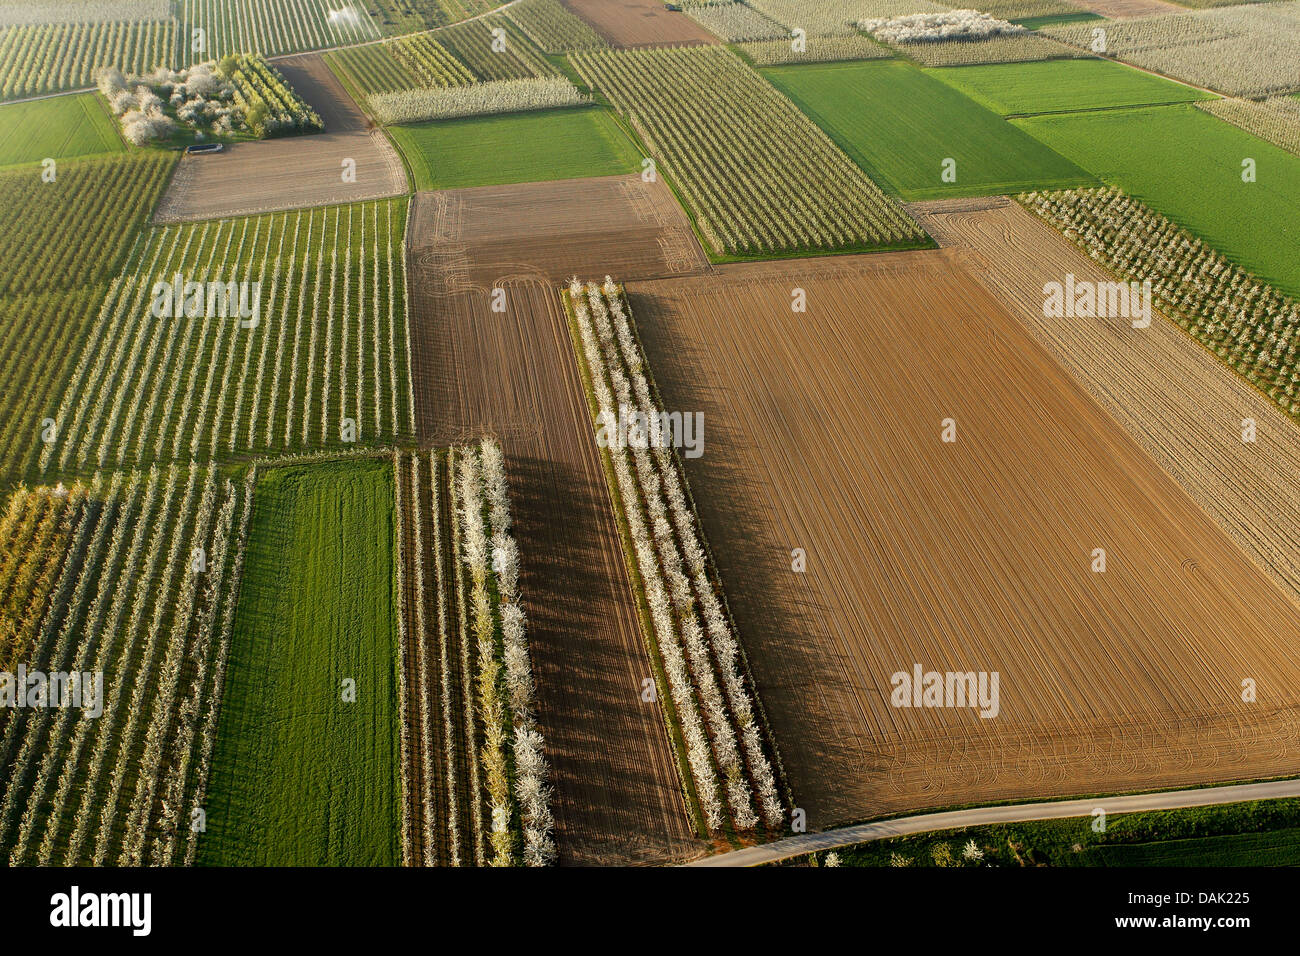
(800, 673)
(609, 807)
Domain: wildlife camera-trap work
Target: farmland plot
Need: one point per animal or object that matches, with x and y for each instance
(907, 129)
(724, 135)
(1034, 487)
(516, 148)
(553, 28)
(1244, 51)
(270, 26)
(816, 50)
(64, 56)
(837, 17)
(1153, 154)
(322, 363)
(145, 597)
(346, 163)
(618, 796)
(1174, 397)
(307, 766)
(468, 682)
(62, 242)
(1056, 87)
(636, 23)
(60, 128)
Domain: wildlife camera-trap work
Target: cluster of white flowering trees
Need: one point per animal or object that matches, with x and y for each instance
(696, 643)
(1248, 324)
(938, 27)
(511, 754)
(476, 99)
(146, 598)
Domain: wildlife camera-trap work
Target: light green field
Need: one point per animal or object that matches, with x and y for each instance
(1188, 165)
(1056, 86)
(900, 125)
(56, 128)
(517, 148)
(299, 775)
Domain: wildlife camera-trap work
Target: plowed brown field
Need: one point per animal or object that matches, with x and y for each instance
(632, 23)
(294, 171)
(1174, 398)
(513, 374)
(823, 433)
(549, 231)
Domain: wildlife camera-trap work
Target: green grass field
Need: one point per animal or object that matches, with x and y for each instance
(900, 125)
(1055, 86)
(518, 148)
(58, 128)
(1187, 165)
(299, 775)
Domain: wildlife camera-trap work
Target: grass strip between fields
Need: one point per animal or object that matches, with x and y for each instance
(307, 757)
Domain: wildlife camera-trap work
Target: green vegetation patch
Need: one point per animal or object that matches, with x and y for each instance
(1058, 86)
(302, 776)
(518, 148)
(900, 125)
(1034, 23)
(57, 128)
(1188, 165)
(1255, 833)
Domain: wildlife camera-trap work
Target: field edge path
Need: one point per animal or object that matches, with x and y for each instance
(1015, 813)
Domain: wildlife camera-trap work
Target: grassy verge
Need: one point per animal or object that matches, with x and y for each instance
(1261, 832)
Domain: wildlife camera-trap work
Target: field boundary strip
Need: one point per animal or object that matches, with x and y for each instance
(1014, 813)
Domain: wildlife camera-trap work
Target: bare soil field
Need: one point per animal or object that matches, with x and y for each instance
(633, 23)
(626, 228)
(617, 791)
(1124, 9)
(294, 171)
(824, 433)
(1173, 397)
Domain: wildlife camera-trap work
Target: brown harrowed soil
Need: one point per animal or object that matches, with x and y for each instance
(823, 432)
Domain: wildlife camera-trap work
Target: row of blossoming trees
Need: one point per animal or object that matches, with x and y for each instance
(731, 759)
(1247, 323)
(142, 570)
(474, 769)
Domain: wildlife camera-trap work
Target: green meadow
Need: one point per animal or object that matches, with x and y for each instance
(59, 127)
(516, 148)
(302, 775)
(1188, 165)
(1055, 86)
(901, 125)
